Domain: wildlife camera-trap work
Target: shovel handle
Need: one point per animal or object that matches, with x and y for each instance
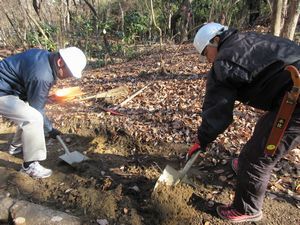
(63, 144)
(189, 163)
(187, 166)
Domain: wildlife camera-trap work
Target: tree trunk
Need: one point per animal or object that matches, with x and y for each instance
(184, 15)
(91, 8)
(14, 28)
(68, 15)
(186, 19)
(222, 18)
(174, 19)
(254, 10)
(292, 17)
(155, 24)
(276, 17)
(37, 6)
(122, 17)
(212, 7)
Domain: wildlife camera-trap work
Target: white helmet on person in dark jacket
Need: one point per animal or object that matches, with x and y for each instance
(206, 33)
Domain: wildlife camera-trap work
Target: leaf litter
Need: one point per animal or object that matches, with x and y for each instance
(128, 153)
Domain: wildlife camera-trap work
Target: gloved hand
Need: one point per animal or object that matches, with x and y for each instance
(53, 133)
(195, 148)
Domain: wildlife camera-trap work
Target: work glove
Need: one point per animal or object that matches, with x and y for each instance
(53, 133)
(192, 150)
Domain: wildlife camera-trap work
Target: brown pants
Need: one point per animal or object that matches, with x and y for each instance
(255, 168)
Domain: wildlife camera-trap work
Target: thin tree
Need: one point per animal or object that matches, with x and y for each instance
(276, 17)
(16, 30)
(155, 24)
(105, 40)
(291, 19)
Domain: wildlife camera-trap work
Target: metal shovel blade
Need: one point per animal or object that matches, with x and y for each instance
(73, 157)
(171, 177)
(70, 157)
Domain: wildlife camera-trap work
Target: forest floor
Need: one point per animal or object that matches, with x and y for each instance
(128, 152)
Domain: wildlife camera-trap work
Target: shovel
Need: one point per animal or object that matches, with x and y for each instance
(172, 177)
(71, 157)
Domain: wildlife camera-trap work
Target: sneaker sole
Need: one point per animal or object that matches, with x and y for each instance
(35, 177)
(253, 219)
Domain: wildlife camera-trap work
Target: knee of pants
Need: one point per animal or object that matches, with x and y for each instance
(35, 117)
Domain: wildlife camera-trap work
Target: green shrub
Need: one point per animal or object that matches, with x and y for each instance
(135, 26)
(36, 38)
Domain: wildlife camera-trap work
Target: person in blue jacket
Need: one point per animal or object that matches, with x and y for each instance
(25, 81)
(248, 67)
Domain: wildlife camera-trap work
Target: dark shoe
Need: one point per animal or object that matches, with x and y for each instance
(232, 215)
(235, 165)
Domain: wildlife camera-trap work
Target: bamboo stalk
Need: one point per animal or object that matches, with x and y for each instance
(132, 96)
(107, 94)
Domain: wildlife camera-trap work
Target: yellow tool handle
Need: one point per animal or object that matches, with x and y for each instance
(285, 112)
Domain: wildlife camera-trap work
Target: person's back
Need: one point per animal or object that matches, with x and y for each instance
(251, 62)
(18, 71)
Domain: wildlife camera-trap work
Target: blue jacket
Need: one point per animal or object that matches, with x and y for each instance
(28, 75)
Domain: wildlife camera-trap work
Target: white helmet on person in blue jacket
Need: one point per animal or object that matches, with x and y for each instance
(75, 60)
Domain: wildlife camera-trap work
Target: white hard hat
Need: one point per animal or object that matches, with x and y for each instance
(206, 33)
(74, 59)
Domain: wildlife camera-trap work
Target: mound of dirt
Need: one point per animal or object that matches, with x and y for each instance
(173, 204)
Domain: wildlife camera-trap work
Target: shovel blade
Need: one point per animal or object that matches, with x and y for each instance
(73, 157)
(169, 177)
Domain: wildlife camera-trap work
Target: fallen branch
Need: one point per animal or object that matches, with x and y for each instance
(114, 111)
(131, 97)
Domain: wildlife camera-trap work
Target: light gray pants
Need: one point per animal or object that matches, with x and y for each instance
(30, 131)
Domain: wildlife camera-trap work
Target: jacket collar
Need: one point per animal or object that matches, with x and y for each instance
(53, 66)
(226, 34)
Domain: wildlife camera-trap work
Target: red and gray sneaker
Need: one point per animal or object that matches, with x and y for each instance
(235, 165)
(232, 215)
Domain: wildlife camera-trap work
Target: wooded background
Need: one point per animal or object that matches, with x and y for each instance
(106, 29)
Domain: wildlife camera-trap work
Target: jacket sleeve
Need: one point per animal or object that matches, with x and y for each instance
(217, 110)
(224, 82)
(37, 95)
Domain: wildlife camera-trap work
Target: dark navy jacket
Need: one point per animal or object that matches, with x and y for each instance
(248, 68)
(29, 76)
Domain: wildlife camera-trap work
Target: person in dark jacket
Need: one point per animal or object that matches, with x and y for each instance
(25, 81)
(249, 68)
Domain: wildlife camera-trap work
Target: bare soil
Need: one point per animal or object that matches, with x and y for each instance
(128, 153)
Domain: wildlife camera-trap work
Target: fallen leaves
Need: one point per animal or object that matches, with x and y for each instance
(168, 111)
